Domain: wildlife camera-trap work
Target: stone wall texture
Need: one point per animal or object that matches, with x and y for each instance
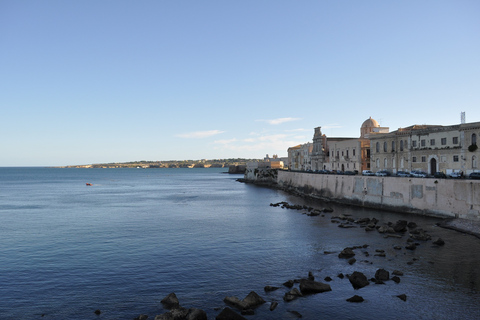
(434, 197)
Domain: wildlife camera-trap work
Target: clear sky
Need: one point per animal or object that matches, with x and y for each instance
(114, 81)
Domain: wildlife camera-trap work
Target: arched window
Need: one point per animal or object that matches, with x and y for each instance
(474, 162)
(377, 163)
(385, 146)
(393, 145)
(385, 162)
(401, 145)
(393, 162)
(377, 147)
(474, 138)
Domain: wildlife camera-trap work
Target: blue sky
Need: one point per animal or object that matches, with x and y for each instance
(114, 81)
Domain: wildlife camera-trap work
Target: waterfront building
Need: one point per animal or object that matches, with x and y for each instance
(428, 148)
(299, 157)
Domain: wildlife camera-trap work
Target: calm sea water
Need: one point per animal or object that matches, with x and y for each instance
(134, 236)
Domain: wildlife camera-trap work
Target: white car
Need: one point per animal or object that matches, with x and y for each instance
(418, 174)
(367, 173)
(454, 175)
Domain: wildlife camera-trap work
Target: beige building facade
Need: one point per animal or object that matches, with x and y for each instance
(427, 148)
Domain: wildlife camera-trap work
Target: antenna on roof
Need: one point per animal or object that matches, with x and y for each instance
(462, 117)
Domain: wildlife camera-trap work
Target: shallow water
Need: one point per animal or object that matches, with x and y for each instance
(136, 235)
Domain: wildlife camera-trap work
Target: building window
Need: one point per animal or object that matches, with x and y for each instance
(414, 143)
(455, 140)
(385, 146)
(385, 163)
(377, 163)
(474, 162)
(377, 147)
(455, 158)
(347, 153)
(353, 151)
(401, 145)
(422, 142)
(444, 141)
(432, 142)
(414, 159)
(393, 145)
(474, 138)
(424, 159)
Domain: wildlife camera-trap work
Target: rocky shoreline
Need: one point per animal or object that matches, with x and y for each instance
(471, 227)
(410, 236)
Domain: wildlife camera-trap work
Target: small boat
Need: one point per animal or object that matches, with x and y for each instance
(89, 184)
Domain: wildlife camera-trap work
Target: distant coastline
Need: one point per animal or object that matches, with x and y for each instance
(216, 163)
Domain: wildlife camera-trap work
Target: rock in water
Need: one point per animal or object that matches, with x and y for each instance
(253, 300)
(358, 280)
(270, 288)
(229, 314)
(171, 301)
(273, 305)
(400, 226)
(403, 297)
(346, 253)
(382, 275)
(355, 298)
(312, 287)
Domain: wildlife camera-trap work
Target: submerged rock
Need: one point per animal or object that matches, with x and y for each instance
(273, 305)
(270, 288)
(355, 298)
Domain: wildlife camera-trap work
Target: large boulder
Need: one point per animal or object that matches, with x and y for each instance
(171, 301)
(312, 287)
(358, 280)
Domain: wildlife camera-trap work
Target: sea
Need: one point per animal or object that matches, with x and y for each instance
(123, 243)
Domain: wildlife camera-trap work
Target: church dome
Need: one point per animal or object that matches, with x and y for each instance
(370, 123)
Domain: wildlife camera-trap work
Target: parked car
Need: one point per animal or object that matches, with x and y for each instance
(349, 173)
(367, 173)
(474, 175)
(418, 174)
(403, 174)
(455, 175)
(440, 175)
(383, 173)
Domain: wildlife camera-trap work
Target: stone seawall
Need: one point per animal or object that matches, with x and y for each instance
(433, 197)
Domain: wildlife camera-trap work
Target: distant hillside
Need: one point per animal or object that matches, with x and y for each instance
(215, 163)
